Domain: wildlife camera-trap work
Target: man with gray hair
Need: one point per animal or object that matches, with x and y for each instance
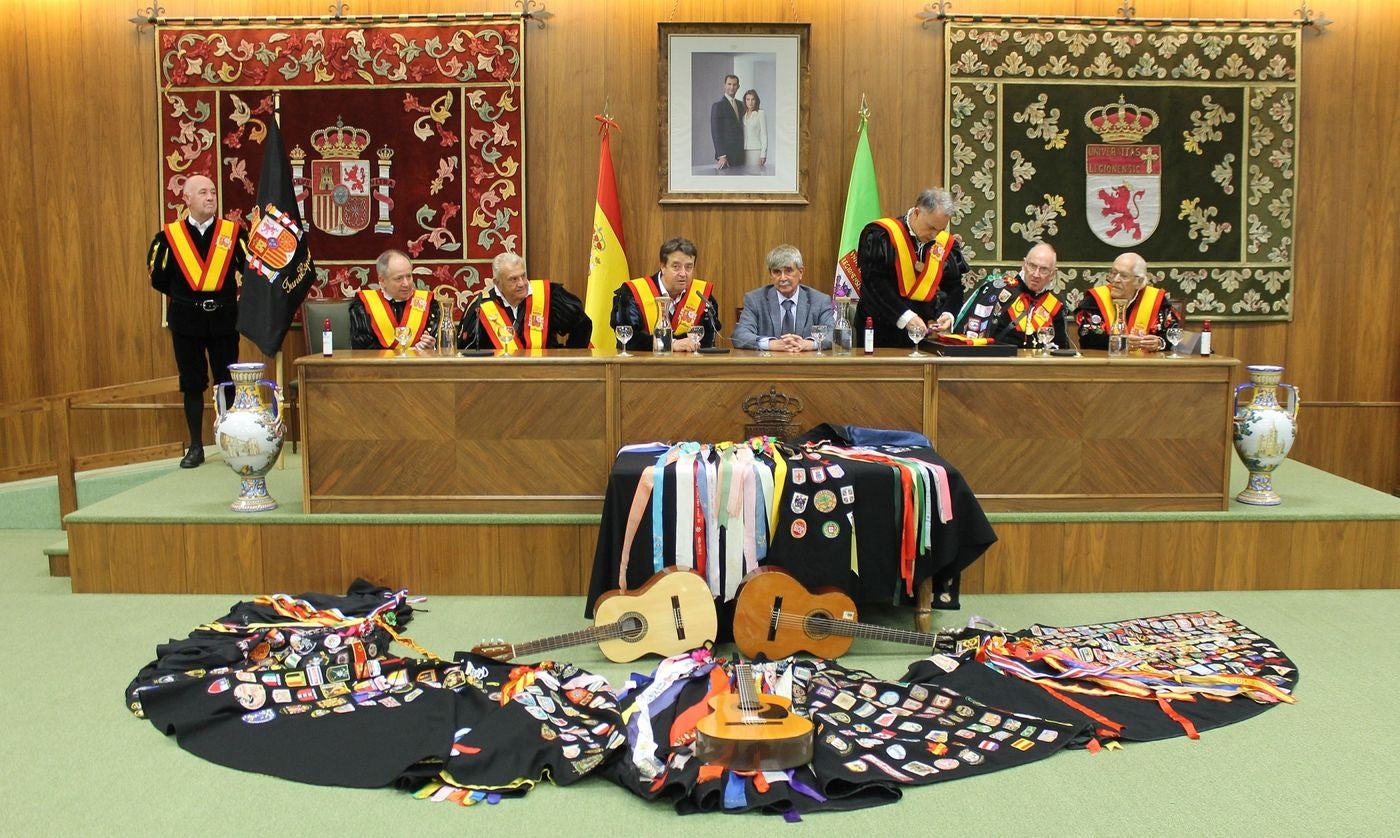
(779, 316)
(1146, 311)
(910, 271)
(530, 313)
(376, 314)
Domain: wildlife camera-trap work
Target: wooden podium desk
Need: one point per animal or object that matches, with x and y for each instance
(538, 434)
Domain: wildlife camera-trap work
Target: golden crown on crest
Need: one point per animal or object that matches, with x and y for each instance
(1121, 122)
(341, 142)
(772, 407)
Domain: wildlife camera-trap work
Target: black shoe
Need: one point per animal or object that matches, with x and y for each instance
(193, 457)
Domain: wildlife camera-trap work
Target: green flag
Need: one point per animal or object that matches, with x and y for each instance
(862, 207)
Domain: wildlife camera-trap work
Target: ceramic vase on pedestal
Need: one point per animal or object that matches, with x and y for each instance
(1264, 432)
(250, 433)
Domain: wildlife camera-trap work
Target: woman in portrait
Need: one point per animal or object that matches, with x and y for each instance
(755, 134)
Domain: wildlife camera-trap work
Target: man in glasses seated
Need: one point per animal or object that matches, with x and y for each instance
(1146, 311)
(1014, 307)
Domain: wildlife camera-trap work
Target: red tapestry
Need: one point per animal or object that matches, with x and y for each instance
(403, 135)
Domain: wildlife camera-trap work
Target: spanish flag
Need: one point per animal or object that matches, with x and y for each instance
(607, 256)
(862, 207)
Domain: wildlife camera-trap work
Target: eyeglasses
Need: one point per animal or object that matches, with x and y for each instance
(1038, 270)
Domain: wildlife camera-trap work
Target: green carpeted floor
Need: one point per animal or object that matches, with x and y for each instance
(79, 764)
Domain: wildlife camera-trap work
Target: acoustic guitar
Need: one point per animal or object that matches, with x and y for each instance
(776, 616)
(751, 731)
(673, 612)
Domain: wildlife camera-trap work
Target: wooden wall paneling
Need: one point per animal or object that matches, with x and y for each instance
(125, 559)
(1382, 568)
(389, 555)
(456, 561)
(1252, 556)
(223, 559)
(1173, 557)
(1026, 559)
(1358, 443)
(1334, 554)
(1093, 555)
(538, 560)
(304, 557)
(587, 546)
(20, 238)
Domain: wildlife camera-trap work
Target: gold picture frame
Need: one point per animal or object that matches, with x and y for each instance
(700, 150)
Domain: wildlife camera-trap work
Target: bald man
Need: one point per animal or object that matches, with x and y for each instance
(1011, 309)
(1147, 311)
(195, 262)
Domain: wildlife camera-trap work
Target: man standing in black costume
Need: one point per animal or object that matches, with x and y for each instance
(195, 262)
(911, 271)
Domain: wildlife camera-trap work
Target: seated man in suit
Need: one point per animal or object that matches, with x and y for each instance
(1147, 313)
(377, 313)
(534, 313)
(684, 301)
(1011, 309)
(779, 317)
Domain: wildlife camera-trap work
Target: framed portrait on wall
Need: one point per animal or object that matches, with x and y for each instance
(733, 112)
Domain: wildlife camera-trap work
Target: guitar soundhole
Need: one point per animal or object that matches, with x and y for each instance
(814, 622)
(632, 627)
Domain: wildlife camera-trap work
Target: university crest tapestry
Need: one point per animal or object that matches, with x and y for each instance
(400, 135)
(1177, 143)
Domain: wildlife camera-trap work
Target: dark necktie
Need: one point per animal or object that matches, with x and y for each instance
(789, 325)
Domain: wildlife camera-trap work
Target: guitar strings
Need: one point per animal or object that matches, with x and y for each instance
(853, 629)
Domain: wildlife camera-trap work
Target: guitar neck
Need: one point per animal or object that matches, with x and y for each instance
(851, 628)
(583, 637)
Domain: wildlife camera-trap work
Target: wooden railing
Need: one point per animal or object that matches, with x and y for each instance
(60, 408)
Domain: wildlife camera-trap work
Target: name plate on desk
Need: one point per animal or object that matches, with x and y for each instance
(967, 350)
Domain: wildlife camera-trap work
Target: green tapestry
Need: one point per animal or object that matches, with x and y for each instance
(1177, 143)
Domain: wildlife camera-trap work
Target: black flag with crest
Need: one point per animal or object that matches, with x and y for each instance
(280, 270)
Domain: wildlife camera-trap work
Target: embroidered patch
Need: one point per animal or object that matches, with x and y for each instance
(798, 528)
(825, 500)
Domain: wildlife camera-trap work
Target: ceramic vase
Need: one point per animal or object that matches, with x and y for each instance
(1264, 432)
(250, 433)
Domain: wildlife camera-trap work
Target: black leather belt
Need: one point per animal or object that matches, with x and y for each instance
(204, 305)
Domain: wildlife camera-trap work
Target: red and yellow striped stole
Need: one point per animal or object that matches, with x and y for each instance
(203, 276)
(1042, 315)
(692, 306)
(915, 284)
(645, 292)
(496, 317)
(381, 316)
(1141, 314)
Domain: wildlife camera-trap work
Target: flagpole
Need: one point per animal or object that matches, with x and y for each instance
(279, 373)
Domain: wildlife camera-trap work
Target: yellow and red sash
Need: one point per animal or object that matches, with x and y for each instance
(1142, 313)
(381, 316)
(496, 317)
(915, 284)
(204, 276)
(645, 292)
(692, 306)
(688, 313)
(1041, 315)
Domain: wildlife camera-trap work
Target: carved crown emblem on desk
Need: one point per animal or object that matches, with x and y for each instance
(772, 413)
